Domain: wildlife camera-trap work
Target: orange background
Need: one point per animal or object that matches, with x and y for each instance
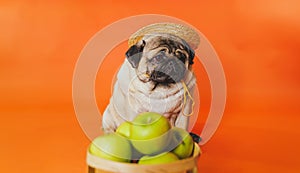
(258, 44)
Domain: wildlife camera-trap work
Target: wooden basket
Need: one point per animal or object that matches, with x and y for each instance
(99, 165)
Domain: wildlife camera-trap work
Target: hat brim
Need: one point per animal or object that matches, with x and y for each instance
(184, 32)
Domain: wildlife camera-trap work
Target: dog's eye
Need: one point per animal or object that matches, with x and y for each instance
(181, 56)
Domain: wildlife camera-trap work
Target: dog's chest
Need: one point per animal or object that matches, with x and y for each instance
(166, 101)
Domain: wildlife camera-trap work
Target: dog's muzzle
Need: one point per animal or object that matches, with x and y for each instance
(167, 69)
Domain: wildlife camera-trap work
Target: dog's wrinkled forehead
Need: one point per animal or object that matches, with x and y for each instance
(154, 41)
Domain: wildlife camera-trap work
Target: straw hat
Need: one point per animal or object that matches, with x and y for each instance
(184, 32)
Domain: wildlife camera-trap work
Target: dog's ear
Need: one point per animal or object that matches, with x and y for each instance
(191, 55)
(135, 53)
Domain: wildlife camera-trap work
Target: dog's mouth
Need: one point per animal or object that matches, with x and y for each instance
(161, 77)
(169, 71)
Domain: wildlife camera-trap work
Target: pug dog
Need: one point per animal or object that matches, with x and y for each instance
(156, 76)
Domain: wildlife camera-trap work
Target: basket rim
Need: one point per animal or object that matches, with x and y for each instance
(113, 166)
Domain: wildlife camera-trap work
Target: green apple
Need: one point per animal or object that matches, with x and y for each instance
(184, 143)
(149, 133)
(111, 146)
(124, 129)
(165, 157)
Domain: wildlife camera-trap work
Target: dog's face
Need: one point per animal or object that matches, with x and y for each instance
(162, 58)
